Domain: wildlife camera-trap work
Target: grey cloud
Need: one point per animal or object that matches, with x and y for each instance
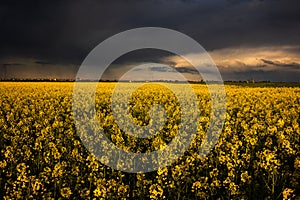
(161, 69)
(64, 32)
(11, 64)
(292, 65)
(268, 61)
(189, 70)
(43, 62)
(260, 75)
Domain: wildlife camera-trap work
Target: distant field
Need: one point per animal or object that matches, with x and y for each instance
(257, 156)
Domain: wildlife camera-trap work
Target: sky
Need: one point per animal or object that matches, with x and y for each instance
(247, 39)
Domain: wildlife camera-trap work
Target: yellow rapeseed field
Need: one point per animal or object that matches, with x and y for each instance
(42, 157)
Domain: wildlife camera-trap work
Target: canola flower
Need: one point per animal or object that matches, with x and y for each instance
(42, 157)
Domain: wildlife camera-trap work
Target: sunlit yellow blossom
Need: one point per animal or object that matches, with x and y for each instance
(42, 156)
(65, 192)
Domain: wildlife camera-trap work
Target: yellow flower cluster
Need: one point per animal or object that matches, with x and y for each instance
(42, 157)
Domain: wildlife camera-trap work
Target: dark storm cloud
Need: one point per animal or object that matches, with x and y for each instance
(43, 62)
(268, 62)
(11, 64)
(260, 75)
(142, 56)
(161, 69)
(292, 65)
(181, 70)
(64, 32)
(187, 70)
